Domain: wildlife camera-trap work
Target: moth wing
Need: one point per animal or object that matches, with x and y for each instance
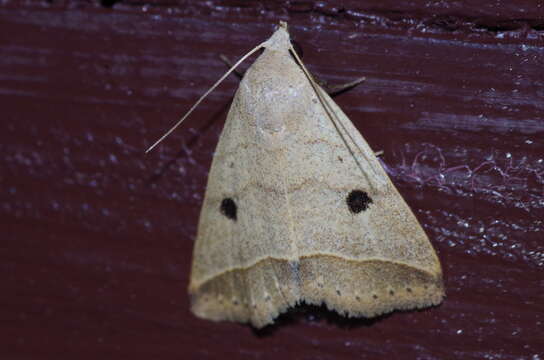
(362, 251)
(243, 265)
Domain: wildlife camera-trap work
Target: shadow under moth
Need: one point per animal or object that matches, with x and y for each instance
(299, 209)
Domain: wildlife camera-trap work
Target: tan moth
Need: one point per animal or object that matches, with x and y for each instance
(299, 209)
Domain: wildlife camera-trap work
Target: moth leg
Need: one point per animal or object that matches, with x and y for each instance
(336, 89)
(230, 64)
(378, 153)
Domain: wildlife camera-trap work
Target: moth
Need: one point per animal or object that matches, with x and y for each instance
(299, 209)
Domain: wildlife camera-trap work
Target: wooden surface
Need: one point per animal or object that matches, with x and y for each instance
(97, 237)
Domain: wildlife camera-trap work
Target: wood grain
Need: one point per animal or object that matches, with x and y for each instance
(98, 237)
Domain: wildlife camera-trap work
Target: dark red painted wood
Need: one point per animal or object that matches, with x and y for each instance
(97, 237)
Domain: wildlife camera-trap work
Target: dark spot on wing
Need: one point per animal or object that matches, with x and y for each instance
(358, 201)
(228, 208)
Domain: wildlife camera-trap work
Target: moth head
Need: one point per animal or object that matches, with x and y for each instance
(280, 40)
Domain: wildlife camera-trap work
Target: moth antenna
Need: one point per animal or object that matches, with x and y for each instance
(336, 122)
(315, 86)
(203, 96)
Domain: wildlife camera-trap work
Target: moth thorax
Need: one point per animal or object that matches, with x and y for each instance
(274, 102)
